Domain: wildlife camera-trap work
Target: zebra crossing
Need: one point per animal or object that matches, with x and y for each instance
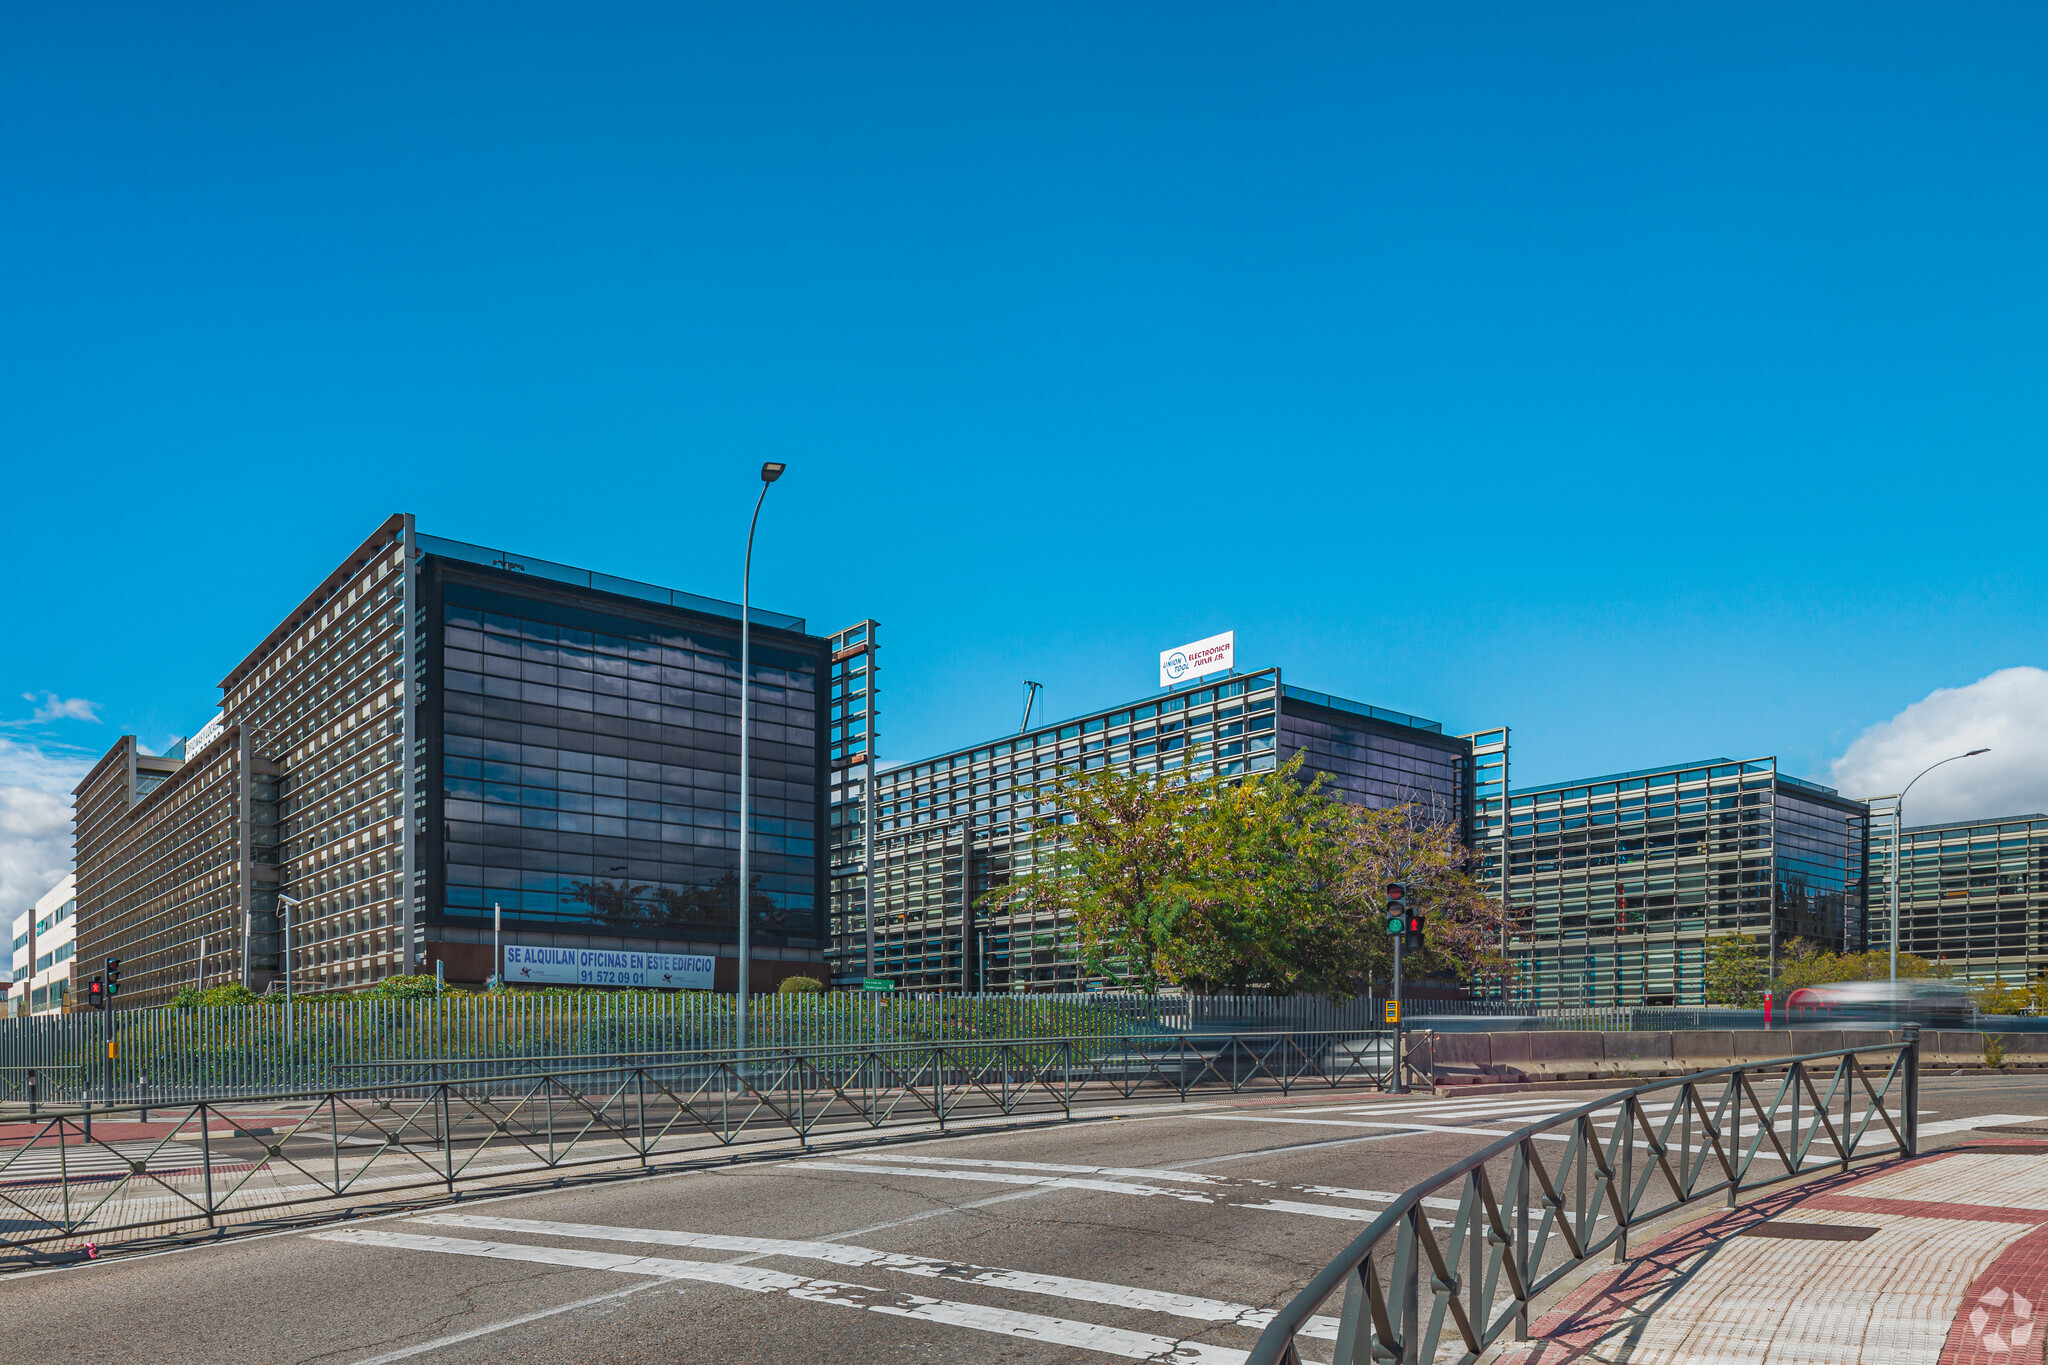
(739, 1273)
(88, 1160)
(1491, 1117)
(1234, 1193)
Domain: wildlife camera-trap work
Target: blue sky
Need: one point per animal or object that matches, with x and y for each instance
(1663, 384)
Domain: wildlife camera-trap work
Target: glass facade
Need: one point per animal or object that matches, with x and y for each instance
(1974, 894)
(588, 768)
(951, 828)
(1617, 884)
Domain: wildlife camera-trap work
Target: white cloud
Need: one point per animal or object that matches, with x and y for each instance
(54, 707)
(35, 821)
(2006, 712)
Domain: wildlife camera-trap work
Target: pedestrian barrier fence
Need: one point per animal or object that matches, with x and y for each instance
(209, 1053)
(73, 1175)
(1418, 1289)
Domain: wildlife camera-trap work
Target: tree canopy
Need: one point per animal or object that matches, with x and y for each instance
(1736, 971)
(1259, 883)
(1801, 963)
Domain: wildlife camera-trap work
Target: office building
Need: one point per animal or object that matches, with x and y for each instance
(440, 731)
(1616, 884)
(1972, 894)
(45, 936)
(952, 827)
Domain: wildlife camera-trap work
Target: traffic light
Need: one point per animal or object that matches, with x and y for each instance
(96, 995)
(1414, 932)
(1397, 908)
(113, 977)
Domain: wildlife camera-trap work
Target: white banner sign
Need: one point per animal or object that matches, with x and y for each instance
(601, 967)
(1213, 655)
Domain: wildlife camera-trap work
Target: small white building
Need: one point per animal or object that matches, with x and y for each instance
(44, 941)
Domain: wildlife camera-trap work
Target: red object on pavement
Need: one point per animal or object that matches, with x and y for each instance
(1767, 1009)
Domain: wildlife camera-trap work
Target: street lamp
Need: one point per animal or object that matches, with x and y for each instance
(770, 472)
(1898, 832)
(290, 1024)
(288, 902)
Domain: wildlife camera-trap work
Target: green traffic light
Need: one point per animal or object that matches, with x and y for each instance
(1396, 923)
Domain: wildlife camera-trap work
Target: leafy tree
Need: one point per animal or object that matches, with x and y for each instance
(1735, 971)
(1269, 899)
(1995, 997)
(1418, 846)
(1117, 863)
(1234, 884)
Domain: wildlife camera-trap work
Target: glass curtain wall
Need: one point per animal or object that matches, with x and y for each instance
(1598, 911)
(1974, 895)
(952, 828)
(589, 772)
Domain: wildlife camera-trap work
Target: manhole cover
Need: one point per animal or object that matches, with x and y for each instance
(1810, 1232)
(2018, 1129)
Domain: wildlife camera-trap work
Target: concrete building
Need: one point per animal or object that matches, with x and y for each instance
(440, 729)
(45, 939)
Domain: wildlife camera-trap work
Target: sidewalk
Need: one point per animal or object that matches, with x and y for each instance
(1942, 1260)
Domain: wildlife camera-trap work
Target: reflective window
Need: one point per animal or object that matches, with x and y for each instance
(596, 783)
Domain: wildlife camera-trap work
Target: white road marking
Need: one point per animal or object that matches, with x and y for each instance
(1366, 1123)
(1980, 1121)
(1219, 1188)
(1004, 1178)
(1022, 1281)
(1325, 1211)
(999, 1321)
(1057, 1168)
(1374, 1196)
(1476, 1108)
(422, 1348)
(43, 1163)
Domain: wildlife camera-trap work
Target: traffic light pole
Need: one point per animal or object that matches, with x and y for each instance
(1400, 1086)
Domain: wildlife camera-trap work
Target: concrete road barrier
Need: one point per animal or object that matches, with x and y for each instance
(1509, 1058)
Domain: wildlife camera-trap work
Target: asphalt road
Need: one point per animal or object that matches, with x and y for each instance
(1161, 1233)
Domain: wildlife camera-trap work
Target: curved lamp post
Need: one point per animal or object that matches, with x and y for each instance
(1898, 861)
(770, 472)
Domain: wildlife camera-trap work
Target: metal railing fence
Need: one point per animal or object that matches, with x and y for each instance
(209, 1053)
(1412, 1284)
(107, 1174)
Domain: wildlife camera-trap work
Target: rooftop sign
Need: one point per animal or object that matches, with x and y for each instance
(1191, 661)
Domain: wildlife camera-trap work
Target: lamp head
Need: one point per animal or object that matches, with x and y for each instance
(1974, 752)
(772, 471)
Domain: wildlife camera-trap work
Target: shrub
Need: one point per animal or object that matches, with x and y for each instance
(401, 988)
(800, 985)
(1994, 1051)
(234, 993)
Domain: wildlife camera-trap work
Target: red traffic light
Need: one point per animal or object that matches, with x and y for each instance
(1396, 891)
(1414, 922)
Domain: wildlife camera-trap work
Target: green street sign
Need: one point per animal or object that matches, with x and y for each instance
(876, 983)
